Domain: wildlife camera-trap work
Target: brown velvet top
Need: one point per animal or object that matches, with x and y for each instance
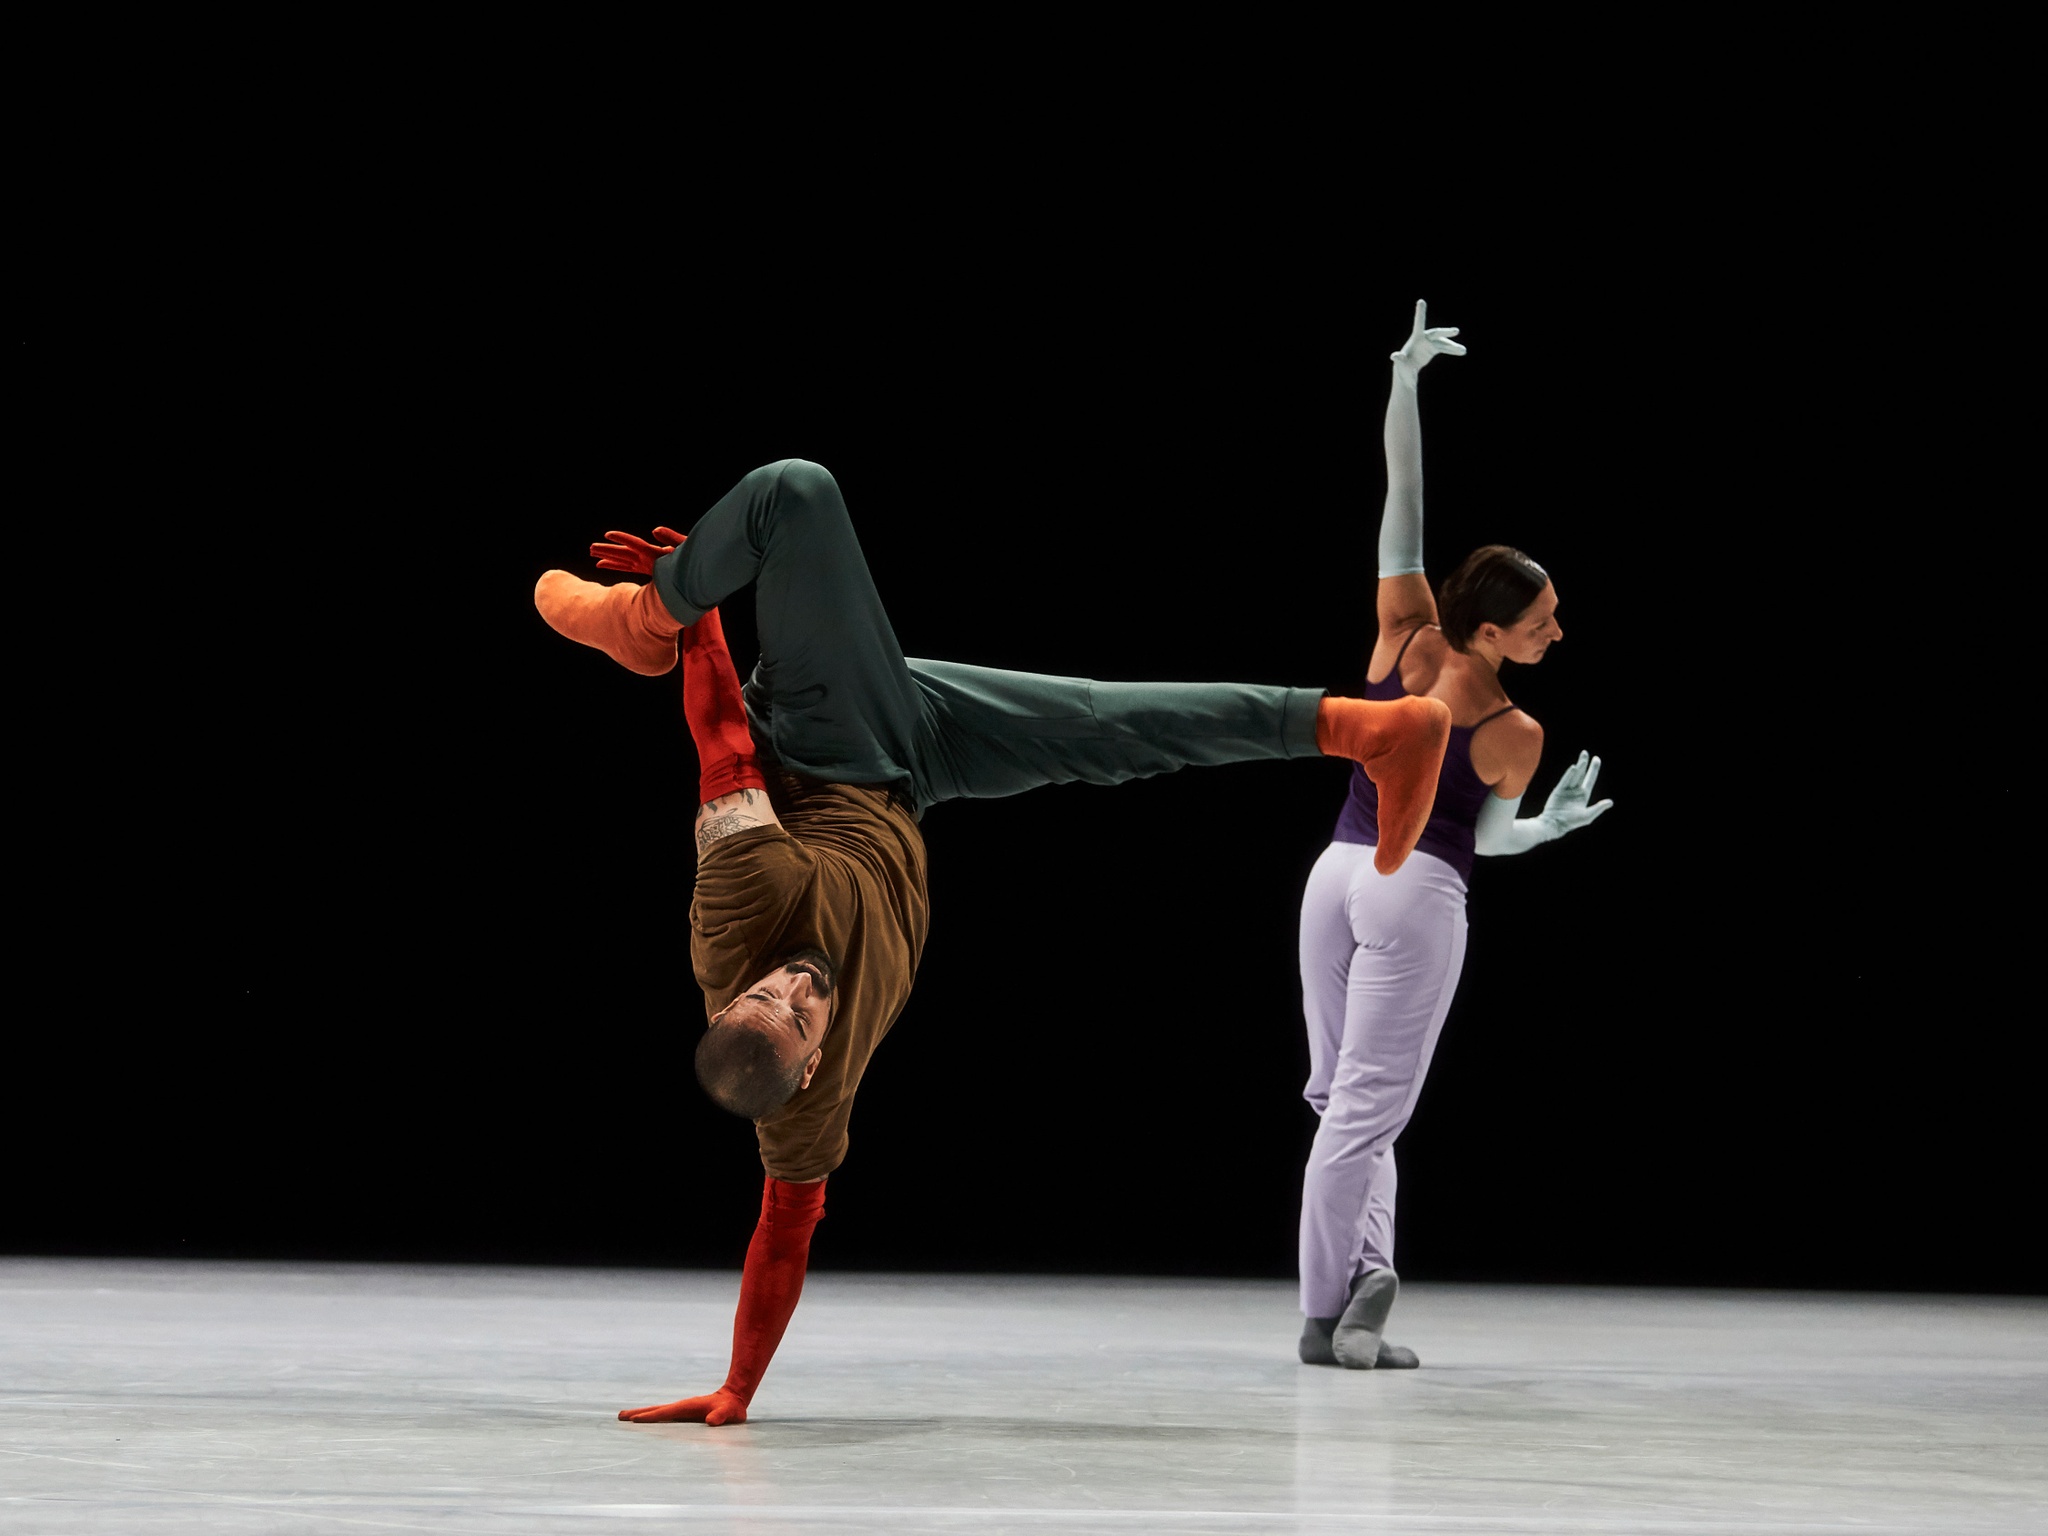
(845, 873)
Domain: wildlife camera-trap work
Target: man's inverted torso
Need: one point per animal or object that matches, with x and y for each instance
(845, 873)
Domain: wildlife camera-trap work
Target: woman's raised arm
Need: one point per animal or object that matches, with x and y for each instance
(1403, 599)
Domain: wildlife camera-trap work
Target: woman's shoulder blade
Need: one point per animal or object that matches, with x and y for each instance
(1409, 647)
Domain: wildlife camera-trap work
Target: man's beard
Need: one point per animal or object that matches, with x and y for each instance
(824, 974)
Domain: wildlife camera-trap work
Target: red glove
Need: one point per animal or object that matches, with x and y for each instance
(769, 1288)
(631, 554)
(716, 713)
(715, 1408)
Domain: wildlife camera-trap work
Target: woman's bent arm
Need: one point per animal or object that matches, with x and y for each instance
(1499, 832)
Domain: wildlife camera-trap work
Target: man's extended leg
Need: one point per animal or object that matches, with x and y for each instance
(989, 733)
(833, 698)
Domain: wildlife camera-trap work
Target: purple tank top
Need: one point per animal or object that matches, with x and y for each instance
(1459, 791)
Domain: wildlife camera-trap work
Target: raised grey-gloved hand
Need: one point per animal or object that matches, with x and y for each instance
(1401, 520)
(1423, 343)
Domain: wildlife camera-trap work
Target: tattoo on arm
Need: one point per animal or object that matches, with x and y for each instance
(722, 825)
(730, 813)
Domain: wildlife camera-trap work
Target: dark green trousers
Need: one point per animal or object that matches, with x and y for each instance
(834, 696)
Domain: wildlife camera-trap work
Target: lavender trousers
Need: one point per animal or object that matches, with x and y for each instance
(1380, 956)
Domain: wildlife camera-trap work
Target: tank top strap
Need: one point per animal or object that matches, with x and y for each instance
(1418, 629)
(1508, 710)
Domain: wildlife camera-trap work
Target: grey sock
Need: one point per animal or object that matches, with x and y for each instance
(1315, 1347)
(1394, 1358)
(1356, 1338)
(1315, 1341)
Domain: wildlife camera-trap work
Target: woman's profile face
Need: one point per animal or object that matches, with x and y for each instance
(1532, 634)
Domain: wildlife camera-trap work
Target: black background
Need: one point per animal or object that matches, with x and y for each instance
(364, 907)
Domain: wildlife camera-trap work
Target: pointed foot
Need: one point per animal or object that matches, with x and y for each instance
(626, 622)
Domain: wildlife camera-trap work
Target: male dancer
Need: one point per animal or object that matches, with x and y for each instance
(810, 911)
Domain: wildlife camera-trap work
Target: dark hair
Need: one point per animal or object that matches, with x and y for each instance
(742, 1071)
(1495, 585)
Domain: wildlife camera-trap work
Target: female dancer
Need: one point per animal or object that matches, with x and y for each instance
(1380, 953)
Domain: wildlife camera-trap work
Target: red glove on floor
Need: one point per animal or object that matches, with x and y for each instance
(769, 1289)
(716, 712)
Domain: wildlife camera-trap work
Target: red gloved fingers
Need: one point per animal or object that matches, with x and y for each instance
(720, 1407)
(633, 553)
(634, 541)
(629, 553)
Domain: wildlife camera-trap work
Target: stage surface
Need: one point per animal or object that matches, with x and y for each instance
(145, 1397)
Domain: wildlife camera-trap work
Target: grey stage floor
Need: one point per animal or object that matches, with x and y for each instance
(148, 1397)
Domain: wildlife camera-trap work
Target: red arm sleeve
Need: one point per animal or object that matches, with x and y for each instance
(774, 1279)
(716, 714)
(769, 1288)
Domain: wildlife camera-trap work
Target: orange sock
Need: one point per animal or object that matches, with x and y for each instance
(626, 622)
(1400, 743)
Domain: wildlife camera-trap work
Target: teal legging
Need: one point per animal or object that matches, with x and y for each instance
(834, 697)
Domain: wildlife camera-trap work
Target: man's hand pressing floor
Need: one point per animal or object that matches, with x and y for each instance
(720, 1407)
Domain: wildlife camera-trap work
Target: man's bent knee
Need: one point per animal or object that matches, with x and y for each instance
(804, 483)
